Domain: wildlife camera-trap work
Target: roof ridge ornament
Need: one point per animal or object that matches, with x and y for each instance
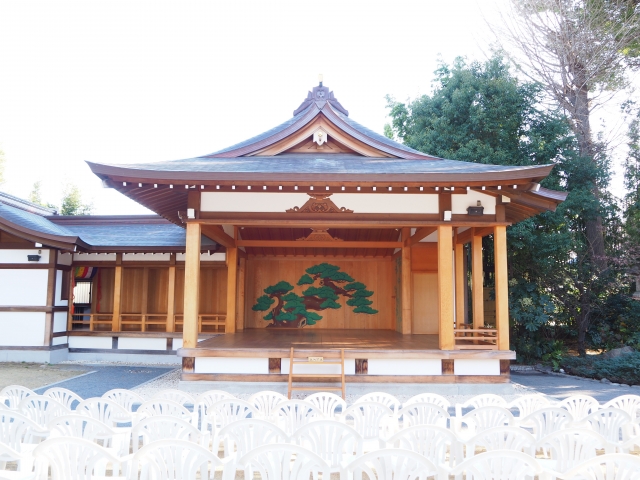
(320, 95)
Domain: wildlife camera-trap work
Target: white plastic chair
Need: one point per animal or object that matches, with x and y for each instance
(226, 411)
(125, 398)
(64, 396)
(483, 418)
(328, 403)
(42, 409)
(161, 406)
(152, 429)
(429, 398)
(546, 421)
(483, 400)
(204, 402)
(266, 404)
(177, 396)
(438, 444)
(105, 410)
(612, 423)
(14, 394)
(628, 403)
(579, 406)
(284, 461)
(75, 459)
(421, 413)
(177, 460)
(502, 438)
(616, 466)
(336, 442)
(293, 414)
(25, 464)
(527, 404)
(89, 428)
(19, 432)
(384, 398)
(568, 448)
(500, 465)
(371, 420)
(391, 464)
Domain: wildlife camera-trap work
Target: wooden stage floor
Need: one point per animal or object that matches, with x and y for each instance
(276, 343)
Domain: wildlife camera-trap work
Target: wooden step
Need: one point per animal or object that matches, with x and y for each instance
(338, 377)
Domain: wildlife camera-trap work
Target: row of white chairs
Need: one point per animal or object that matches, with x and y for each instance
(76, 458)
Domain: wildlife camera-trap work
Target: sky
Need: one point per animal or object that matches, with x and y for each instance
(143, 81)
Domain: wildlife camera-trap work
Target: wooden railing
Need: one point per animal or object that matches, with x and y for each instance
(103, 322)
(468, 338)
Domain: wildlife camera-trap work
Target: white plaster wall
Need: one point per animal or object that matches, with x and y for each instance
(23, 287)
(58, 301)
(90, 342)
(459, 203)
(22, 329)
(281, 202)
(132, 343)
(20, 256)
(399, 366)
(65, 258)
(232, 365)
(146, 257)
(177, 343)
(99, 257)
(59, 322)
(349, 367)
(59, 340)
(204, 257)
(463, 366)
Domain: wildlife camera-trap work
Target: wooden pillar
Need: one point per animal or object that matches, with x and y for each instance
(406, 283)
(232, 286)
(445, 287)
(117, 295)
(240, 303)
(502, 286)
(460, 284)
(51, 297)
(171, 295)
(191, 289)
(477, 279)
(144, 301)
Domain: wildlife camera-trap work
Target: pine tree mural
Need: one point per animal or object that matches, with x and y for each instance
(325, 284)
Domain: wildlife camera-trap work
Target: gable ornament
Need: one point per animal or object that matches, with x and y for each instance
(319, 203)
(319, 235)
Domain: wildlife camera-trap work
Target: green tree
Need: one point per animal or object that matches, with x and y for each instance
(480, 112)
(72, 203)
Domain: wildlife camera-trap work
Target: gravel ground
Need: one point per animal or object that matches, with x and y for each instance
(36, 375)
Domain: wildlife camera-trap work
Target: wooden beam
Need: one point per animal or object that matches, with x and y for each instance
(232, 286)
(461, 283)
(502, 287)
(477, 282)
(419, 235)
(191, 287)
(171, 295)
(445, 287)
(406, 283)
(482, 232)
(117, 294)
(51, 297)
(464, 237)
(218, 235)
(316, 244)
(242, 266)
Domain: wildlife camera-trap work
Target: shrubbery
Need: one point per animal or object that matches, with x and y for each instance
(623, 369)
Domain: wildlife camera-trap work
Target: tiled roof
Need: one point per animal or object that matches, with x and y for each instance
(32, 221)
(22, 204)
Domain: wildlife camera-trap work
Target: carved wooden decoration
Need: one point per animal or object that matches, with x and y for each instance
(319, 203)
(319, 236)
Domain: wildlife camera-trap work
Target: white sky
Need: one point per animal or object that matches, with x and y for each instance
(141, 81)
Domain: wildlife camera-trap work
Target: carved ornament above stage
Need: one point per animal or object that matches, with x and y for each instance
(320, 96)
(319, 203)
(318, 235)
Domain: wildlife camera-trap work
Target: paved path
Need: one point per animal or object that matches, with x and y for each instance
(561, 386)
(105, 378)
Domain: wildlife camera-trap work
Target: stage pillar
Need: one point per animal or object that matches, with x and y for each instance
(445, 287)
(242, 266)
(191, 293)
(461, 283)
(477, 281)
(171, 295)
(232, 286)
(502, 286)
(117, 295)
(406, 283)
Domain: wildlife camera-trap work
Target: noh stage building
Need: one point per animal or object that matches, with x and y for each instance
(318, 234)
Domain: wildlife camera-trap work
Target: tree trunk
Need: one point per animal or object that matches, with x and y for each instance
(583, 319)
